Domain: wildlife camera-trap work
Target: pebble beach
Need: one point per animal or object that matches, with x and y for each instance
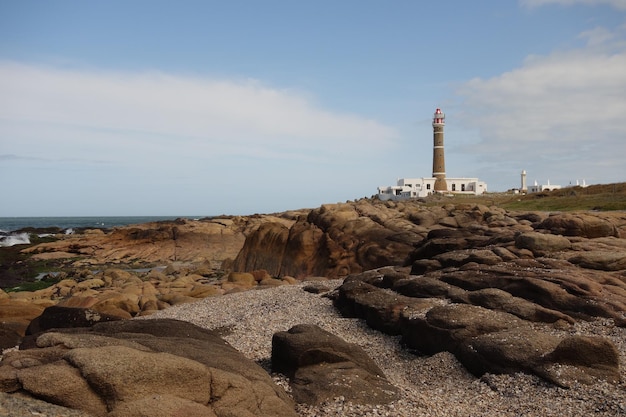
(434, 386)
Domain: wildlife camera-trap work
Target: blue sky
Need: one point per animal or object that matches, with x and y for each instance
(241, 107)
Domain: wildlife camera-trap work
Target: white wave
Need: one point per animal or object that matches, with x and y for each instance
(69, 231)
(17, 239)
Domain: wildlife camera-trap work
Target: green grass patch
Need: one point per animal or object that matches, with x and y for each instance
(33, 285)
(604, 197)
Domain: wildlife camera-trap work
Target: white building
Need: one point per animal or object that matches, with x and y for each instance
(537, 188)
(421, 187)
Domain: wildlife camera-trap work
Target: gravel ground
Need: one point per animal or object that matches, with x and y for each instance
(429, 385)
(435, 385)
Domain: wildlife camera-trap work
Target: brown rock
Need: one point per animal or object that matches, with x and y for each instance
(263, 249)
(78, 301)
(61, 384)
(162, 405)
(600, 259)
(112, 302)
(202, 291)
(324, 366)
(539, 243)
(332, 241)
(461, 257)
(260, 275)
(242, 278)
(15, 316)
(126, 366)
(272, 282)
(118, 374)
(381, 309)
(579, 224)
(429, 287)
(447, 328)
(587, 356)
(496, 299)
(176, 298)
(88, 284)
(507, 351)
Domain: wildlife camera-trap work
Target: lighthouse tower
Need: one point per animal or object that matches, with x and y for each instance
(439, 164)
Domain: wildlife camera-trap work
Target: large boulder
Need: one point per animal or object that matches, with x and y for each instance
(332, 241)
(540, 243)
(579, 224)
(131, 367)
(264, 248)
(323, 366)
(605, 260)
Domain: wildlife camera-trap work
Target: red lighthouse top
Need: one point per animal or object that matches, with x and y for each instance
(438, 117)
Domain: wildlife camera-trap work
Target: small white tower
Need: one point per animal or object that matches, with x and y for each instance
(524, 189)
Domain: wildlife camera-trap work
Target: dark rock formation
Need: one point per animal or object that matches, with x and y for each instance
(332, 241)
(58, 317)
(496, 319)
(342, 239)
(143, 367)
(322, 366)
(496, 288)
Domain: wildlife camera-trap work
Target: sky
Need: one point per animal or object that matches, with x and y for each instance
(150, 107)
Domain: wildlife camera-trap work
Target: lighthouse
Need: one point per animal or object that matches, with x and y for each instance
(417, 187)
(439, 164)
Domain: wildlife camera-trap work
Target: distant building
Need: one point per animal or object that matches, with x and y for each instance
(422, 187)
(438, 183)
(537, 188)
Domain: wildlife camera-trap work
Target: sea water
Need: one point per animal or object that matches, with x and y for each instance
(9, 225)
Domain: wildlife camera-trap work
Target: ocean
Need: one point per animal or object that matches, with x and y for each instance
(9, 225)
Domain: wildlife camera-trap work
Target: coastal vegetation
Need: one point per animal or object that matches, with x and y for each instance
(601, 197)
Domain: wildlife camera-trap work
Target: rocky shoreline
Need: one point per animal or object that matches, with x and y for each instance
(436, 385)
(465, 309)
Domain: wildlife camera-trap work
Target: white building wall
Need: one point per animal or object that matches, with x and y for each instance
(422, 187)
(537, 188)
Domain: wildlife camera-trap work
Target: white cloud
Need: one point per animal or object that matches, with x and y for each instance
(563, 113)
(104, 110)
(618, 4)
(597, 36)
